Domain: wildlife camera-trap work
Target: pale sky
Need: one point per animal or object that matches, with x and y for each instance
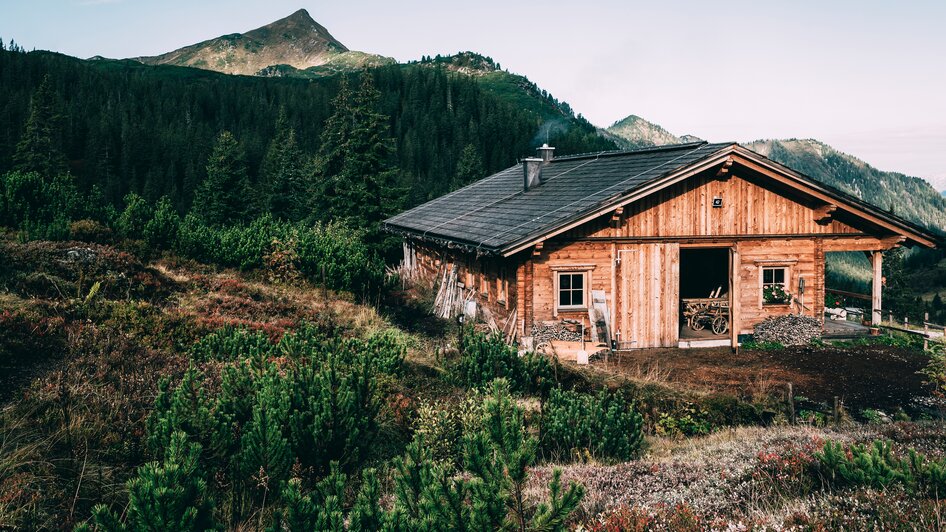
(867, 76)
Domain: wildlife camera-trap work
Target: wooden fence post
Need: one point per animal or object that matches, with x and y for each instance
(836, 412)
(926, 330)
(890, 317)
(791, 404)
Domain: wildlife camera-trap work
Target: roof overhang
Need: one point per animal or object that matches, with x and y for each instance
(621, 200)
(735, 153)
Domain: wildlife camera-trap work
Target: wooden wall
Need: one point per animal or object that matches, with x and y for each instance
(494, 279)
(761, 224)
(798, 256)
(686, 209)
(593, 257)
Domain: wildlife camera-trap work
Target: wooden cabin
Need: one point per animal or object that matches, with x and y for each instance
(638, 236)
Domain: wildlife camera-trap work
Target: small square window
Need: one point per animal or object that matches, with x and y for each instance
(775, 285)
(571, 290)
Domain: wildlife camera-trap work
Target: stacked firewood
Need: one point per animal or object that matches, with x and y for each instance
(788, 330)
(552, 330)
(451, 297)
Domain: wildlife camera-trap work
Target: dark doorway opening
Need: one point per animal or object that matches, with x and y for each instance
(704, 274)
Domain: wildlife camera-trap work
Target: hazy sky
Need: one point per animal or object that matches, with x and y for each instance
(868, 77)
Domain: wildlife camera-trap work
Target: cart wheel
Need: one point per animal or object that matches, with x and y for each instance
(696, 323)
(720, 325)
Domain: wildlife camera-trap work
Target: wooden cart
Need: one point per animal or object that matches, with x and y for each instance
(703, 312)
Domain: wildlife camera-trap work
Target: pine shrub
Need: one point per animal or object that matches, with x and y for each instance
(231, 343)
(131, 222)
(604, 425)
(484, 358)
(160, 232)
(499, 456)
(167, 495)
(877, 466)
(307, 406)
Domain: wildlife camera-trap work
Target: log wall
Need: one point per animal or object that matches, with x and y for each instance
(763, 225)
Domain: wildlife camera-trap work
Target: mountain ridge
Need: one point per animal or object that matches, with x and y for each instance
(297, 41)
(908, 196)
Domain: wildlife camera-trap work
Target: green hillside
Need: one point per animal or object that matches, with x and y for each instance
(907, 196)
(149, 129)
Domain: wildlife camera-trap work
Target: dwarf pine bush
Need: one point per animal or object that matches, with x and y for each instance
(305, 404)
(877, 466)
(230, 343)
(136, 215)
(334, 252)
(161, 230)
(484, 358)
(604, 425)
(166, 495)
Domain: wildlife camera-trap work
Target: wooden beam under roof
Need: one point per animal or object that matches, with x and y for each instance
(825, 213)
(724, 171)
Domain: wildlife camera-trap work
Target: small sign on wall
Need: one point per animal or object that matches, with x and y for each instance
(717, 202)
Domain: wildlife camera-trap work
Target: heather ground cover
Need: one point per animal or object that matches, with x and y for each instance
(120, 374)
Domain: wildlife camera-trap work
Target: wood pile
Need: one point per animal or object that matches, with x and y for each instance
(410, 274)
(547, 331)
(510, 329)
(452, 296)
(788, 330)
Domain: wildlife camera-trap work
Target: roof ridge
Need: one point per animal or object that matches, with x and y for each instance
(630, 151)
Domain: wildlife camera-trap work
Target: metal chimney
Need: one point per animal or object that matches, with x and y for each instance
(532, 166)
(546, 153)
(531, 172)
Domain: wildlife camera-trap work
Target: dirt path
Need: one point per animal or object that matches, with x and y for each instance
(878, 377)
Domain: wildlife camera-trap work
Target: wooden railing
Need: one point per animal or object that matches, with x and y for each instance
(925, 333)
(853, 295)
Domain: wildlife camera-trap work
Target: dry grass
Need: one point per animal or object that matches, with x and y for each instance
(712, 475)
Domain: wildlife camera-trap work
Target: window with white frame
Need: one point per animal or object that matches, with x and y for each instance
(571, 290)
(775, 285)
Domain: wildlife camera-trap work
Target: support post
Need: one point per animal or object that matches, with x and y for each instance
(791, 404)
(877, 261)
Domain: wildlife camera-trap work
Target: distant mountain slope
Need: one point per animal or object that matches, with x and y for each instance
(907, 196)
(297, 41)
(635, 132)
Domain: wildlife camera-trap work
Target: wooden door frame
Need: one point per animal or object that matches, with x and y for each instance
(734, 264)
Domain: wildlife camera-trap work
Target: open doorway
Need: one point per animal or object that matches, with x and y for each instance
(704, 293)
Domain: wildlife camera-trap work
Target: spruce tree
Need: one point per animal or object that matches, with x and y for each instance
(369, 172)
(355, 173)
(325, 191)
(469, 167)
(281, 173)
(40, 148)
(223, 196)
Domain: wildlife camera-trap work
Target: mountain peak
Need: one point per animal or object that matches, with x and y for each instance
(301, 14)
(296, 40)
(635, 132)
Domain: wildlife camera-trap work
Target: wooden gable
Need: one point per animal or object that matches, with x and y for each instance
(745, 207)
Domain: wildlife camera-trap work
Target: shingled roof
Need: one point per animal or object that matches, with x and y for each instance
(495, 214)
